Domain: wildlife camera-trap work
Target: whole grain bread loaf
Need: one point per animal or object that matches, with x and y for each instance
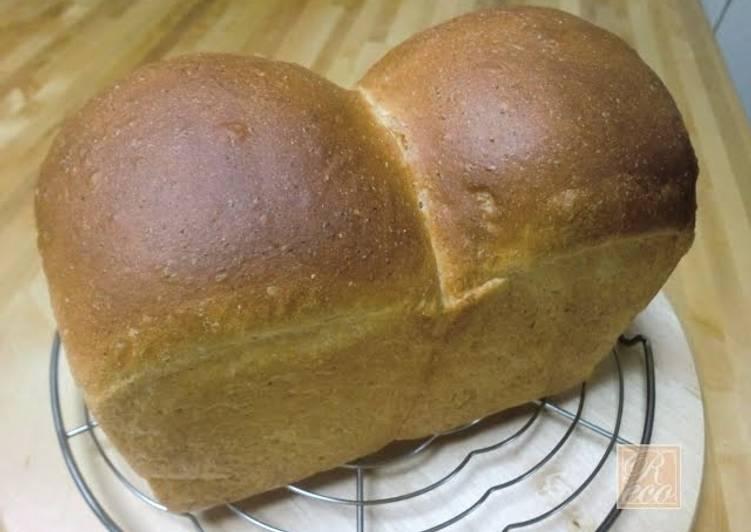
(259, 275)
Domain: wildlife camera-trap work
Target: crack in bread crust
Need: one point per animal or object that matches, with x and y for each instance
(451, 302)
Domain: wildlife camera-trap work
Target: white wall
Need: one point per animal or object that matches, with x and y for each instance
(713, 8)
(731, 22)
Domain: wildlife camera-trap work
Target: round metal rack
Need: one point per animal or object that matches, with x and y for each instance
(360, 469)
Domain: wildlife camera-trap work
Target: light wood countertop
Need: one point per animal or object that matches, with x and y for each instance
(55, 54)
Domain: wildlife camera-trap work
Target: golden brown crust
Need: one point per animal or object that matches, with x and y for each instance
(531, 132)
(213, 194)
(233, 243)
(541, 331)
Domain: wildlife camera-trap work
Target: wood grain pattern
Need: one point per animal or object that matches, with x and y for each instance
(55, 54)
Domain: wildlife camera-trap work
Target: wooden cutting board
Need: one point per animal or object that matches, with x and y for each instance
(42, 495)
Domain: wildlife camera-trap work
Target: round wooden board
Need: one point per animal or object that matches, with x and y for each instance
(44, 497)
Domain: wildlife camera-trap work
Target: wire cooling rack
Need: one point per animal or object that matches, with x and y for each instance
(360, 469)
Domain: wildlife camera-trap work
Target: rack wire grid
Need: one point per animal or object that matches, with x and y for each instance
(361, 468)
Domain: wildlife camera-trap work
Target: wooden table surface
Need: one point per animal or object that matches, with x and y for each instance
(55, 54)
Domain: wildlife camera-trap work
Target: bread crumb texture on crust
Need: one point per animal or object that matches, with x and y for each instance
(259, 275)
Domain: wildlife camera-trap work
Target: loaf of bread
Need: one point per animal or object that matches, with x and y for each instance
(259, 275)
